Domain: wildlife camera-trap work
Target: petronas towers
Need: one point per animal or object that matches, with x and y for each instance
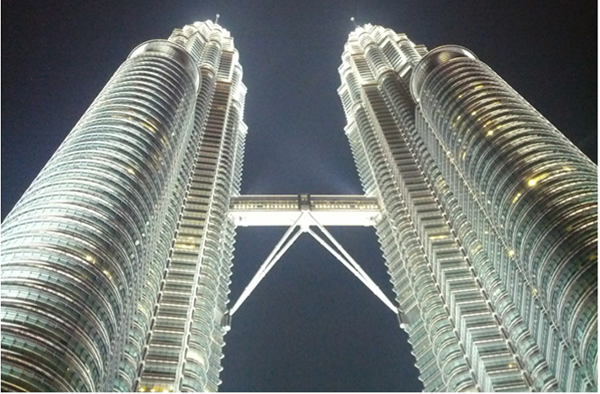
(488, 217)
(116, 262)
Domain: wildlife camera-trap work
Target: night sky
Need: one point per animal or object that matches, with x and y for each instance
(310, 325)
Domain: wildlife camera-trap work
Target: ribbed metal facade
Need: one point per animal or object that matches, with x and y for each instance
(489, 218)
(183, 350)
(116, 260)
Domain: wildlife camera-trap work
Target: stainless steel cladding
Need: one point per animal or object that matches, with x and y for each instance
(488, 221)
(538, 191)
(124, 235)
(76, 247)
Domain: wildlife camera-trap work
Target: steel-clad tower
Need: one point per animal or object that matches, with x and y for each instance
(488, 221)
(116, 261)
(101, 286)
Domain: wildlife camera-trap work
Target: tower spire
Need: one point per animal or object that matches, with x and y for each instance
(354, 22)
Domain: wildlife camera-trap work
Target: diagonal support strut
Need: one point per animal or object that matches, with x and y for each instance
(301, 225)
(350, 263)
(282, 246)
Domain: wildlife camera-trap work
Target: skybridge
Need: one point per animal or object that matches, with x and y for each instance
(284, 210)
(305, 213)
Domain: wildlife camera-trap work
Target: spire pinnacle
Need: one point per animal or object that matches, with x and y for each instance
(353, 21)
(217, 18)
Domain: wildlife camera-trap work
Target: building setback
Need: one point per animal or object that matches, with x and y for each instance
(101, 282)
(116, 261)
(489, 217)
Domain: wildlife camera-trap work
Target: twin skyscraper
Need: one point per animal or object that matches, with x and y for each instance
(116, 262)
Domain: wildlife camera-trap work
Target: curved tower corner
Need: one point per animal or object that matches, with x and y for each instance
(116, 260)
(489, 217)
(182, 350)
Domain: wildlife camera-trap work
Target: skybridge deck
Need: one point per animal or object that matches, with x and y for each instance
(283, 210)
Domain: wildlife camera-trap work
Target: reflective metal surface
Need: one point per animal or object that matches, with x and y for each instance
(76, 247)
(488, 219)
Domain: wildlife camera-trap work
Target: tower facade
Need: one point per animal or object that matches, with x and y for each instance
(488, 222)
(116, 261)
(101, 286)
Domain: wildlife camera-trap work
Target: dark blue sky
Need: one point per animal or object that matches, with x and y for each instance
(310, 325)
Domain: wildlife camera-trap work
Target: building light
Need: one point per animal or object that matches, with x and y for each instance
(130, 170)
(516, 197)
(436, 237)
(534, 181)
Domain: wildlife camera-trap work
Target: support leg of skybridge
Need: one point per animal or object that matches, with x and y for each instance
(302, 225)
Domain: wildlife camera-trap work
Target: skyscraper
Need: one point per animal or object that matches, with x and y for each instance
(101, 285)
(488, 219)
(116, 261)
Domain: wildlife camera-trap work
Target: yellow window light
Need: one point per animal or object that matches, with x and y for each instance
(130, 170)
(534, 181)
(511, 253)
(516, 197)
(142, 389)
(436, 237)
(148, 126)
(184, 246)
